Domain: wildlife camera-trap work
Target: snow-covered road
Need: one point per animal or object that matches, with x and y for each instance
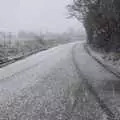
(47, 86)
(37, 88)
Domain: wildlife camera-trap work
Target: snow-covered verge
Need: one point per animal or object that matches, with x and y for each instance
(112, 60)
(110, 90)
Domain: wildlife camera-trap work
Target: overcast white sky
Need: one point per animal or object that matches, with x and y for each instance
(35, 15)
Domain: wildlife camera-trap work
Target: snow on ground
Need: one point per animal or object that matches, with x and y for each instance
(108, 59)
(37, 87)
(107, 84)
(46, 86)
(39, 64)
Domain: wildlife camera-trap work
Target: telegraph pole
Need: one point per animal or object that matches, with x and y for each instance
(10, 38)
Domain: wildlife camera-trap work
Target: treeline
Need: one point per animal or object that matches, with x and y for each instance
(101, 19)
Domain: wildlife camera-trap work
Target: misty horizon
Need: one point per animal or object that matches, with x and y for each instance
(36, 16)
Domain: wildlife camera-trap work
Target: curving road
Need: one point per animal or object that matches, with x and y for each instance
(48, 86)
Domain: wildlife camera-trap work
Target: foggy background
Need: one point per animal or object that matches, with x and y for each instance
(36, 15)
(30, 26)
